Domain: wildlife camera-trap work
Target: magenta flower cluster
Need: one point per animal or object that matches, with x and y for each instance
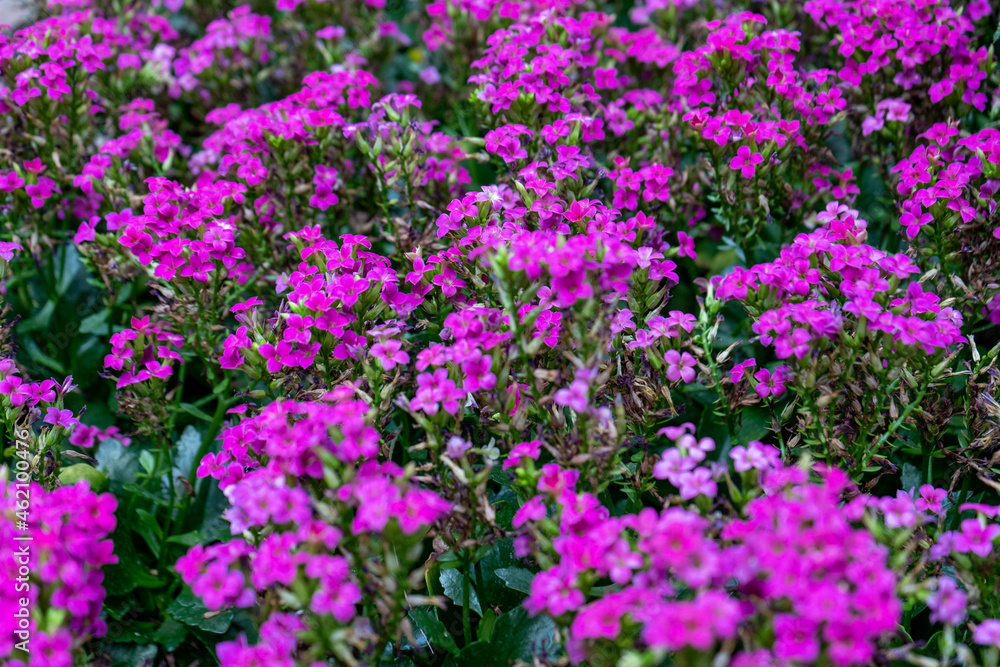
(58, 569)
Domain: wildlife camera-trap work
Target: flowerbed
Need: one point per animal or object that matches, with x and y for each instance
(483, 333)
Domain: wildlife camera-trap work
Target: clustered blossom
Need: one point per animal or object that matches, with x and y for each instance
(294, 440)
(796, 556)
(68, 527)
(143, 352)
(949, 180)
(872, 292)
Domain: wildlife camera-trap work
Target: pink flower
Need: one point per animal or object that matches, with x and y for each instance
(58, 417)
(532, 510)
(930, 499)
(418, 509)
(976, 536)
(745, 161)
(680, 366)
(337, 599)
(795, 638)
(390, 353)
(685, 246)
(770, 384)
(987, 633)
(756, 455)
(457, 447)
(947, 603)
(10, 181)
(7, 249)
(554, 592)
(673, 465)
(575, 397)
(696, 483)
(738, 371)
(530, 450)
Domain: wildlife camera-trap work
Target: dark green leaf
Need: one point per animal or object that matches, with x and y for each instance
(137, 490)
(515, 637)
(186, 450)
(129, 572)
(516, 578)
(500, 477)
(522, 636)
(187, 539)
(451, 581)
(39, 320)
(69, 265)
(190, 610)
(429, 626)
(149, 530)
(40, 357)
(132, 655)
(755, 425)
(196, 412)
(911, 476)
(496, 592)
(170, 635)
(486, 624)
(118, 462)
(96, 324)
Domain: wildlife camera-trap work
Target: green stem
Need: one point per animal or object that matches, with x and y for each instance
(706, 345)
(466, 622)
(962, 495)
(206, 443)
(164, 450)
(910, 407)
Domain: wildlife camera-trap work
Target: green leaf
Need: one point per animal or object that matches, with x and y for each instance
(505, 504)
(495, 591)
(515, 636)
(132, 655)
(38, 320)
(427, 624)
(40, 357)
(214, 525)
(196, 412)
(449, 560)
(190, 610)
(137, 490)
(118, 462)
(755, 425)
(729, 244)
(451, 581)
(72, 474)
(522, 636)
(486, 625)
(911, 476)
(149, 530)
(516, 578)
(147, 461)
(187, 539)
(170, 635)
(129, 572)
(69, 266)
(186, 450)
(501, 477)
(96, 324)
